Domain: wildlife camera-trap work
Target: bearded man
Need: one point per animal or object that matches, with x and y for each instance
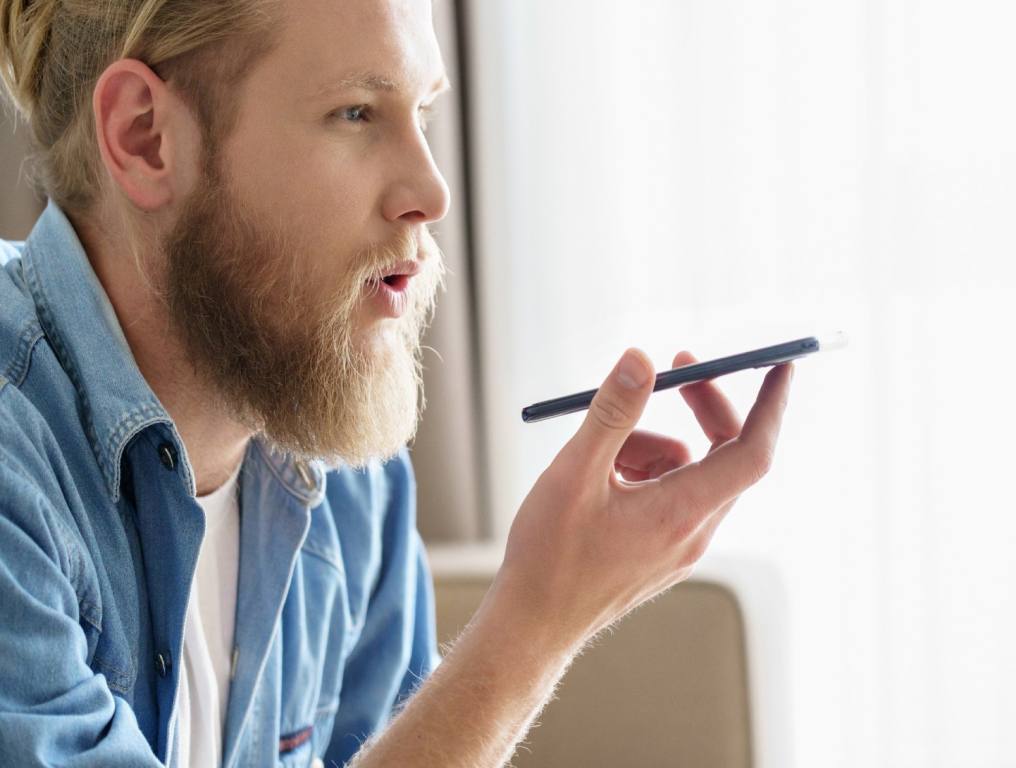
(209, 371)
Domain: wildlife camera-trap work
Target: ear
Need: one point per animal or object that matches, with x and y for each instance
(148, 138)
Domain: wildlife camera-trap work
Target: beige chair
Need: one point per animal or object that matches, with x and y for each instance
(668, 687)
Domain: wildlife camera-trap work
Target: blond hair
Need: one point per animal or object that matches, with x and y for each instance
(52, 53)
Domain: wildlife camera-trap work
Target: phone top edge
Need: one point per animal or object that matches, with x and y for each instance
(756, 358)
(833, 341)
(700, 371)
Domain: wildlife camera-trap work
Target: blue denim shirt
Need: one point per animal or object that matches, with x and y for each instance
(99, 537)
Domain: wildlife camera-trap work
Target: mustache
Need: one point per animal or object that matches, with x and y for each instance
(363, 275)
(378, 260)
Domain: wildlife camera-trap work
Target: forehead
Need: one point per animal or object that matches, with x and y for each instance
(327, 43)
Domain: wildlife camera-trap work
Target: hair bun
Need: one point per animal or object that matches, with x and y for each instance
(53, 52)
(25, 27)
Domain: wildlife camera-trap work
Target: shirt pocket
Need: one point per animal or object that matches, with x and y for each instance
(108, 656)
(316, 624)
(107, 650)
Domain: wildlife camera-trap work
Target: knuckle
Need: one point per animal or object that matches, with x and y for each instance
(695, 550)
(761, 462)
(687, 545)
(609, 414)
(683, 573)
(681, 531)
(694, 494)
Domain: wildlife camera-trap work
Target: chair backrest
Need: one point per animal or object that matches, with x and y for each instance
(668, 686)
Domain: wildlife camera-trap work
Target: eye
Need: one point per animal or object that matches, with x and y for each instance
(356, 114)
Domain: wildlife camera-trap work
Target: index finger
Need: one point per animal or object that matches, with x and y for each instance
(739, 463)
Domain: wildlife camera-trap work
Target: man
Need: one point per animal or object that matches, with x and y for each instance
(208, 371)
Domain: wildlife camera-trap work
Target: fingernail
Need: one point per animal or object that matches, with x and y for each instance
(631, 372)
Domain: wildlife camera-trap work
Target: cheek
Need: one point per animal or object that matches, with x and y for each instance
(304, 179)
(332, 218)
(333, 197)
(321, 197)
(330, 210)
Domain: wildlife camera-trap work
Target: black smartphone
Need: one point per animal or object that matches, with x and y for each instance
(687, 374)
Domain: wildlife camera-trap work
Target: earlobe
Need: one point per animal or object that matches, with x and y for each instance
(130, 103)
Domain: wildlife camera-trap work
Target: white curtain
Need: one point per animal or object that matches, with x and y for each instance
(727, 174)
(446, 451)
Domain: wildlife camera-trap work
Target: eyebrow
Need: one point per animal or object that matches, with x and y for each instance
(367, 81)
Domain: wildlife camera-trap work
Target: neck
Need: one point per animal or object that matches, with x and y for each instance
(214, 441)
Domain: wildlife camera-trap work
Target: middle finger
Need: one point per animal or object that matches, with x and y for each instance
(714, 412)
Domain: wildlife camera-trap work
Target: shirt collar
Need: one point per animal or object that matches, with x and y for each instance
(116, 401)
(303, 478)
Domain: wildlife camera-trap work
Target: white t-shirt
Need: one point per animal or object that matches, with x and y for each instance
(208, 632)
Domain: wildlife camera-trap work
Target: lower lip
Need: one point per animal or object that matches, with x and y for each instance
(393, 300)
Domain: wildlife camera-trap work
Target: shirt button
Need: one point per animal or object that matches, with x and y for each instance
(167, 455)
(162, 664)
(305, 474)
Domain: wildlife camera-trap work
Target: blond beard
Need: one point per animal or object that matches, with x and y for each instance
(294, 368)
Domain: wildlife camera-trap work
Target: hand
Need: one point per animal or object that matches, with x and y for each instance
(621, 515)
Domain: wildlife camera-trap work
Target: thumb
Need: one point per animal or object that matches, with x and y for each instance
(615, 409)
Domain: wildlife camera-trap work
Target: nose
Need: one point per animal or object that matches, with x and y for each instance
(418, 193)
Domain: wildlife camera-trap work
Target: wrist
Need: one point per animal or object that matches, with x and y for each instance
(480, 701)
(518, 619)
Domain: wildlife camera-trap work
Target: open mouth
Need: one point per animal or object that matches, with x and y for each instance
(398, 276)
(389, 288)
(396, 282)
